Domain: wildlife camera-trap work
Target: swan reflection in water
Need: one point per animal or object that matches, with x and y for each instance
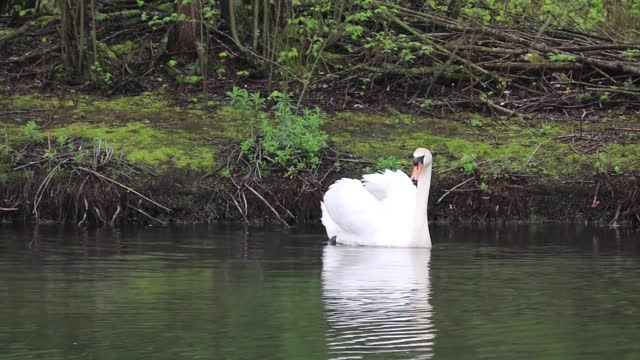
(377, 302)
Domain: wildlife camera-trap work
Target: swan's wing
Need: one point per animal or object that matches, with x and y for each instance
(381, 184)
(349, 209)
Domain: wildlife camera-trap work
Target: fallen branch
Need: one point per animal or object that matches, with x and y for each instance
(531, 157)
(124, 187)
(268, 205)
(453, 189)
(145, 214)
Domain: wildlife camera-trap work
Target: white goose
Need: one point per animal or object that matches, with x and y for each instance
(383, 209)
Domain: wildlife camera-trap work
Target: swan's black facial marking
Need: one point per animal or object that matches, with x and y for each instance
(417, 160)
(415, 182)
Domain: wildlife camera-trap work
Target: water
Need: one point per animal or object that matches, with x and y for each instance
(551, 292)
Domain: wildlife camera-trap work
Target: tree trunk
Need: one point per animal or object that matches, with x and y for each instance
(77, 43)
(187, 35)
(453, 10)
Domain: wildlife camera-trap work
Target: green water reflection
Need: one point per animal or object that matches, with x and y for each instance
(220, 293)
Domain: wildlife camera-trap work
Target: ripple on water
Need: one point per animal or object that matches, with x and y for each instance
(377, 302)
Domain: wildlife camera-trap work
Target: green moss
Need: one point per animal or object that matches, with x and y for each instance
(145, 145)
(154, 131)
(46, 20)
(29, 102)
(166, 7)
(7, 32)
(496, 141)
(624, 156)
(124, 48)
(106, 51)
(145, 104)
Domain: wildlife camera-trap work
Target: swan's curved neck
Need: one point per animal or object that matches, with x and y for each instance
(421, 230)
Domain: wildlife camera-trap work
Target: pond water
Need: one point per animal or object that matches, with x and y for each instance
(225, 292)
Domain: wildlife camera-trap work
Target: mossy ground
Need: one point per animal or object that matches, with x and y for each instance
(153, 130)
(182, 141)
(498, 146)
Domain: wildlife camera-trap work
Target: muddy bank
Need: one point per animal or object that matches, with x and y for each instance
(82, 159)
(185, 197)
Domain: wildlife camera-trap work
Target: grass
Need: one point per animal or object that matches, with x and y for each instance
(154, 131)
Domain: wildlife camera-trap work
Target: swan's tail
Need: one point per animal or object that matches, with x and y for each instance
(327, 221)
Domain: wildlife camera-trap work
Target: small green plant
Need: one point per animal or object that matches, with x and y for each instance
(469, 164)
(242, 73)
(61, 140)
(391, 163)
(99, 76)
(50, 154)
(561, 57)
(545, 130)
(475, 123)
(247, 144)
(484, 187)
(81, 157)
(630, 54)
(425, 103)
(172, 63)
(30, 133)
(192, 79)
(293, 140)
(242, 99)
(601, 163)
(604, 97)
(582, 97)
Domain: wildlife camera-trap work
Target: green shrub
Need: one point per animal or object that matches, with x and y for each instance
(391, 163)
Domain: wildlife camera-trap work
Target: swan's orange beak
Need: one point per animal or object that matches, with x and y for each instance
(417, 169)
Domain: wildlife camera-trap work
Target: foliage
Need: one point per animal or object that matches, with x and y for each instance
(30, 133)
(293, 140)
(390, 162)
(601, 163)
(242, 99)
(631, 54)
(561, 57)
(469, 164)
(475, 123)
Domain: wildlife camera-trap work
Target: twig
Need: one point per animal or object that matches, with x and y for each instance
(123, 186)
(22, 111)
(239, 209)
(145, 214)
(8, 209)
(531, 157)
(595, 201)
(268, 205)
(115, 215)
(454, 188)
(614, 222)
(86, 209)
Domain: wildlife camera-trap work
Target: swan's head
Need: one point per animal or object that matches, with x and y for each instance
(421, 158)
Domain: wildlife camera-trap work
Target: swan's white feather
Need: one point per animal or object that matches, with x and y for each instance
(378, 212)
(380, 184)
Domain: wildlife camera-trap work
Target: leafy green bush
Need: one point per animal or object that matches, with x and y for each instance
(391, 163)
(469, 164)
(292, 140)
(601, 163)
(30, 133)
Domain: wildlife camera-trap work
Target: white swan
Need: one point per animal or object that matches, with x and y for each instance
(384, 209)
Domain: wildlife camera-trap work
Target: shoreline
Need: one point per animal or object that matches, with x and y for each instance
(114, 157)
